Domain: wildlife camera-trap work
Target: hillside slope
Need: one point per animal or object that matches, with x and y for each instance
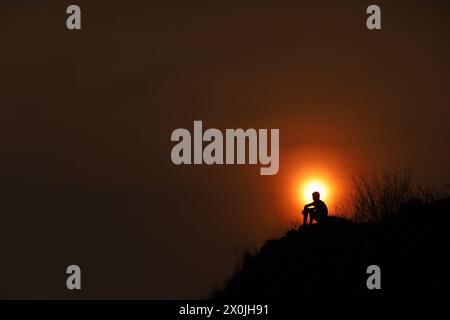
(330, 260)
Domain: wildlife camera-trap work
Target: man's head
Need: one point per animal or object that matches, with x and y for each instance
(316, 196)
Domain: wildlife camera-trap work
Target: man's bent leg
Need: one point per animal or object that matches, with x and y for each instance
(305, 216)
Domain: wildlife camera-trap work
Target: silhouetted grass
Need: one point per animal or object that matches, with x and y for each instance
(379, 194)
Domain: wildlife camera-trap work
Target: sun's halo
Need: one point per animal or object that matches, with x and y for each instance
(312, 186)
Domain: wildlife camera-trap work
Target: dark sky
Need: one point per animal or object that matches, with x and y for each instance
(86, 118)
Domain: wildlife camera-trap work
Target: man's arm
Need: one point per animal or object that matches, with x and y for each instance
(309, 205)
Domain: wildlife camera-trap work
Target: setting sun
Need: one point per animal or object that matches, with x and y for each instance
(311, 186)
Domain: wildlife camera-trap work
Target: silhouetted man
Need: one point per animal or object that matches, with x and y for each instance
(317, 210)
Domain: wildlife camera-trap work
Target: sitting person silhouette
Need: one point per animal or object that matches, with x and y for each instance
(317, 210)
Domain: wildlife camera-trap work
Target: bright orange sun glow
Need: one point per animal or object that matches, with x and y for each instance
(311, 186)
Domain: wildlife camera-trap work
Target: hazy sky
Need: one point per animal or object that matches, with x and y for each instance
(86, 119)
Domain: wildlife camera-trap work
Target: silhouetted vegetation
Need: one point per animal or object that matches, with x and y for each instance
(379, 194)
